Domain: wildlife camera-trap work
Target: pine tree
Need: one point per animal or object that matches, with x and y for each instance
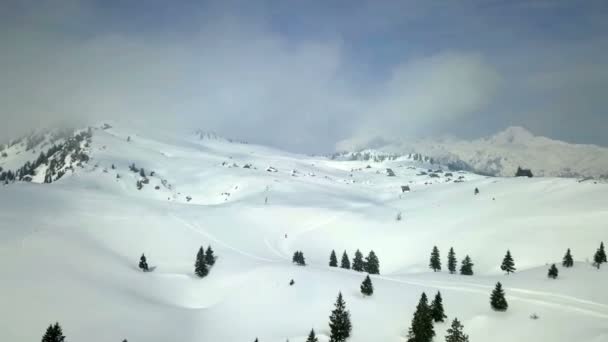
(598, 258)
(339, 321)
(372, 264)
(467, 266)
(209, 257)
(312, 337)
(568, 261)
(507, 263)
(497, 299)
(143, 263)
(601, 255)
(455, 333)
(301, 260)
(345, 261)
(200, 266)
(452, 261)
(553, 272)
(435, 263)
(366, 287)
(54, 333)
(333, 260)
(422, 323)
(358, 264)
(437, 308)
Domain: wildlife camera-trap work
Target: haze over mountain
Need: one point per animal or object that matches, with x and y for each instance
(502, 153)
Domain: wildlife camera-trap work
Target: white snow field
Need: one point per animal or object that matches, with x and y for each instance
(69, 250)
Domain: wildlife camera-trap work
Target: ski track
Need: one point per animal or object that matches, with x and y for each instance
(547, 299)
(200, 231)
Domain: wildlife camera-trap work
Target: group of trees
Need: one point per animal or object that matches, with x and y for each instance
(204, 261)
(466, 267)
(371, 264)
(53, 333)
(55, 158)
(422, 327)
(298, 258)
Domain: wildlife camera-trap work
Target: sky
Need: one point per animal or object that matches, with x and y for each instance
(308, 75)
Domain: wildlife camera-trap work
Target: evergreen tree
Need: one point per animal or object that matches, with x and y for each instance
(437, 308)
(422, 323)
(312, 337)
(298, 258)
(200, 266)
(358, 264)
(568, 261)
(339, 321)
(372, 264)
(435, 263)
(601, 254)
(598, 259)
(333, 260)
(455, 333)
(209, 257)
(467, 266)
(54, 333)
(507, 263)
(553, 272)
(345, 261)
(143, 263)
(366, 287)
(452, 261)
(142, 173)
(497, 299)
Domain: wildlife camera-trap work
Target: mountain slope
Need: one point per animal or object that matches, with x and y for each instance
(503, 153)
(69, 249)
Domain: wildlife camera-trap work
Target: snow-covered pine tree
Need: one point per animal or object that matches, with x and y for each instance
(366, 287)
(339, 321)
(358, 264)
(455, 333)
(435, 262)
(345, 261)
(312, 337)
(333, 260)
(568, 260)
(422, 323)
(437, 308)
(553, 272)
(209, 257)
(508, 265)
(497, 299)
(452, 261)
(467, 266)
(143, 263)
(372, 264)
(200, 266)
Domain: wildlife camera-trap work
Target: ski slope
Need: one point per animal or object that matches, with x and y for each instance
(69, 250)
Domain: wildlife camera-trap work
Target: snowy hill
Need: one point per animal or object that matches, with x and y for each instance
(69, 250)
(503, 153)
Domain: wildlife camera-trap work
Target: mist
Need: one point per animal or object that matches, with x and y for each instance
(303, 78)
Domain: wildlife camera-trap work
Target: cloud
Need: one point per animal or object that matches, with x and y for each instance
(442, 88)
(304, 78)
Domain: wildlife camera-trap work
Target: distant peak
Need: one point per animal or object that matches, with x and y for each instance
(513, 134)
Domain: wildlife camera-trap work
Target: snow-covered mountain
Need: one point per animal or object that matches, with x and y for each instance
(503, 153)
(69, 249)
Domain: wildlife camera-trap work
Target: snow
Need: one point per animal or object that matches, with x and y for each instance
(502, 153)
(69, 250)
